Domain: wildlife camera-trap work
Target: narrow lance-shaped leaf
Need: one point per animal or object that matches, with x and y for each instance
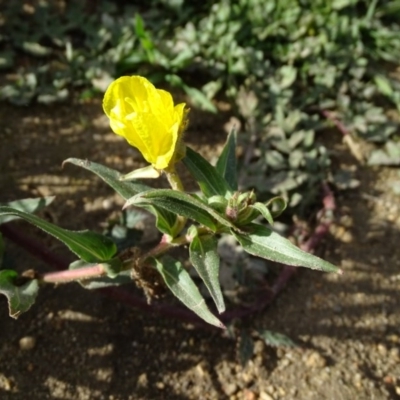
(165, 219)
(112, 177)
(182, 204)
(209, 179)
(20, 298)
(264, 243)
(185, 207)
(178, 202)
(87, 245)
(227, 163)
(205, 259)
(182, 286)
(27, 205)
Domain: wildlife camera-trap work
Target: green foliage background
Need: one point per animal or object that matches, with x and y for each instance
(282, 64)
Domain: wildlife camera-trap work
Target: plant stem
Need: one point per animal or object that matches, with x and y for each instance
(65, 276)
(176, 184)
(98, 270)
(174, 179)
(166, 244)
(347, 137)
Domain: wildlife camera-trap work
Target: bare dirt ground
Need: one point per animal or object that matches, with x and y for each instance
(76, 344)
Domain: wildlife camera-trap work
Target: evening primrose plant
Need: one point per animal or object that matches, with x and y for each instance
(148, 119)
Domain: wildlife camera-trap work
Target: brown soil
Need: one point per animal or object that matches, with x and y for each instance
(76, 344)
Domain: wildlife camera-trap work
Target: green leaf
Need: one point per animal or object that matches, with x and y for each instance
(27, 205)
(205, 259)
(383, 85)
(277, 205)
(381, 157)
(182, 286)
(20, 298)
(288, 74)
(227, 163)
(264, 211)
(182, 204)
(36, 49)
(165, 219)
(264, 243)
(6, 59)
(199, 99)
(139, 26)
(87, 245)
(276, 339)
(208, 178)
(197, 96)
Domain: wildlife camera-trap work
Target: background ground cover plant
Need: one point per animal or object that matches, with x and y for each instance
(290, 68)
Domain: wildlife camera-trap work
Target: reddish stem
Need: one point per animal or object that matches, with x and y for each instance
(70, 275)
(339, 125)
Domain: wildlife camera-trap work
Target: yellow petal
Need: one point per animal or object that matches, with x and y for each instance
(146, 117)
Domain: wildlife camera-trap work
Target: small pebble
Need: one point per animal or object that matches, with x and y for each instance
(315, 360)
(160, 385)
(27, 343)
(265, 396)
(142, 380)
(230, 388)
(5, 383)
(248, 395)
(394, 354)
(382, 349)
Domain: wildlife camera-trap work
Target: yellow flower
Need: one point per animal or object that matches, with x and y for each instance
(147, 118)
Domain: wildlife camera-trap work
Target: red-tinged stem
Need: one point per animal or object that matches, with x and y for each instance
(347, 137)
(339, 125)
(70, 275)
(64, 274)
